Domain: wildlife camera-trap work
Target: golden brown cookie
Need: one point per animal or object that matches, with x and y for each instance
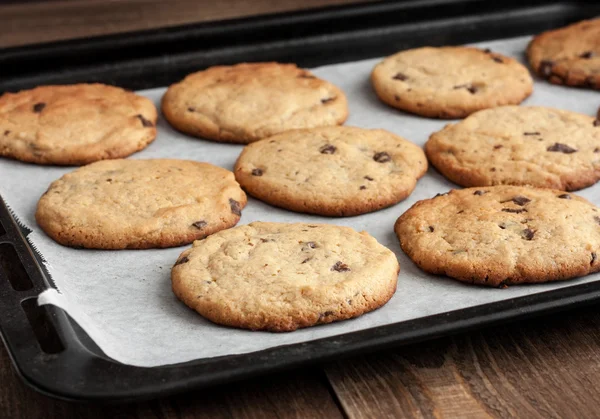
(140, 204)
(281, 277)
(450, 82)
(500, 235)
(569, 55)
(74, 124)
(519, 145)
(247, 102)
(335, 171)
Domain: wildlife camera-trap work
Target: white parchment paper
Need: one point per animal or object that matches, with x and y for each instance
(123, 299)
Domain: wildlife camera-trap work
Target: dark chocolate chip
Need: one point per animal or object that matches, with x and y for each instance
(328, 149)
(190, 109)
(531, 133)
(145, 122)
(382, 157)
(527, 234)
(235, 206)
(184, 259)
(7, 132)
(493, 169)
(502, 226)
(397, 98)
(312, 245)
(305, 260)
(368, 178)
(400, 76)
(441, 194)
(587, 55)
(597, 122)
(514, 210)
(362, 187)
(472, 89)
(487, 50)
(479, 192)
(498, 59)
(594, 257)
(460, 212)
(597, 150)
(340, 267)
(431, 229)
(200, 224)
(326, 314)
(563, 148)
(327, 99)
(597, 219)
(38, 107)
(519, 200)
(496, 147)
(257, 172)
(564, 196)
(546, 68)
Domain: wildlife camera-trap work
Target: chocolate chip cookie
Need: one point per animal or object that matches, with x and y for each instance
(450, 82)
(335, 171)
(502, 235)
(519, 145)
(247, 102)
(140, 204)
(569, 55)
(74, 124)
(281, 277)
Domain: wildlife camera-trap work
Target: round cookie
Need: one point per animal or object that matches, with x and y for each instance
(502, 235)
(569, 55)
(280, 277)
(335, 171)
(74, 124)
(519, 145)
(247, 102)
(450, 82)
(140, 204)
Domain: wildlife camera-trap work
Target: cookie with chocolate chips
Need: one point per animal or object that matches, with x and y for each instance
(501, 235)
(569, 55)
(140, 204)
(74, 124)
(450, 82)
(519, 145)
(334, 171)
(247, 102)
(280, 277)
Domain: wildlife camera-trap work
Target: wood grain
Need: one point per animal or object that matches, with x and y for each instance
(300, 394)
(547, 368)
(47, 21)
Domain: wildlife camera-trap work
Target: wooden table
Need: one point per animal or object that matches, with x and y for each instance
(544, 368)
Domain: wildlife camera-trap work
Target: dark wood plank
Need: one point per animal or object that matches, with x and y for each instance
(27, 23)
(300, 394)
(545, 368)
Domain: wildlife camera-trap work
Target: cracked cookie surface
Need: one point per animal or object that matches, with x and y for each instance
(140, 204)
(281, 277)
(247, 102)
(519, 145)
(335, 171)
(569, 55)
(74, 124)
(450, 82)
(502, 235)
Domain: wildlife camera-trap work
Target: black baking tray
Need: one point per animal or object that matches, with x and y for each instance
(49, 350)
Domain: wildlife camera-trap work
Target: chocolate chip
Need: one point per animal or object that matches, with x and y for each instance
(257, 172)
(368, 178)
(305, 260)
(564, 196)
(431, 229)
(546, 68)
(362, 187)
(531, 133)
(235, 206)
(382, 157)
(514, 210)
(38, 107)
(597, 219)
(327, 99)
(587, 55)
(527, 234)
(594, 257)
(563, 148)
(326, 314)
(306, 76)
(145, 122)
(328, 149)
(519, 200)
(7, 132)
(498, 59)
(184, 259)
(487, 50)
(190, 109)
(263, 240)
(496, 147)
(493, 169)
(472, 89)
(597, 122)
(441, 194)
(200, 224)
(502, 226)
(597, 150)
(340, 267)
(397, 98)
(400, 76)
(312, 245)
(479, 192)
